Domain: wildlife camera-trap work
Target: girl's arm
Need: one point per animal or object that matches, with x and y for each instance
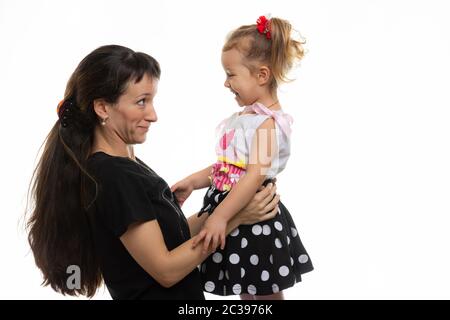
(200, 178)
(145, 242)
(260, 204)
(195, 181)
(263, 148)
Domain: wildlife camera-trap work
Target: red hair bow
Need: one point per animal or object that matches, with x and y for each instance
(262, 24)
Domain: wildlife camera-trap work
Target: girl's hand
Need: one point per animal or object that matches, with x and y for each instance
(263, 206)
(182, 190)
(212, 233)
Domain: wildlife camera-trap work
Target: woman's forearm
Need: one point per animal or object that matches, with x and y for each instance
(183, 259)
(196, 223)
(200, 179)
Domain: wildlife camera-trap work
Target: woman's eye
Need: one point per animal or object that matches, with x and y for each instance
(141, 102)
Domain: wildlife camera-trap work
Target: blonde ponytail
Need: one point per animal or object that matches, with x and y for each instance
(285, 51)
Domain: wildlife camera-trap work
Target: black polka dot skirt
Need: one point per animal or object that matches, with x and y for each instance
(259, 259)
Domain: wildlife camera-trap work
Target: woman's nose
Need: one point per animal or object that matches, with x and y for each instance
(151, 114)
(226, 84)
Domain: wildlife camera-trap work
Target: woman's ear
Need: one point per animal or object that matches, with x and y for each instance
(100, 108)
(264, 75)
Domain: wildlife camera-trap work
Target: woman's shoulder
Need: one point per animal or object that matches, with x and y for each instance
(102, 159)
(107, 166)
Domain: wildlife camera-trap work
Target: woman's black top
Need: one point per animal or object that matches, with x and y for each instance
(130, 192)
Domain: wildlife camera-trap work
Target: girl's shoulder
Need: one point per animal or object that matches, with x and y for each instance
(251, 120)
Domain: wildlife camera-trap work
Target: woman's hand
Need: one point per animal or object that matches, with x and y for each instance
(182, 190)
(263, 206)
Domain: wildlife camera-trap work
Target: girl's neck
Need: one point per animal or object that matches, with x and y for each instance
(270, 101)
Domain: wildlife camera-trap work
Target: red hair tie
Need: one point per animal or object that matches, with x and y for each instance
(263, 26)
(59, 107)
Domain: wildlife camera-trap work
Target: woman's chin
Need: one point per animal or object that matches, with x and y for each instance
(139, 140)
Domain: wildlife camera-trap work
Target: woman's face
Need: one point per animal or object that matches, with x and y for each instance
(242, 83)
(131, 116)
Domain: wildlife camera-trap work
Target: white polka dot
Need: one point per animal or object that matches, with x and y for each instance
(294, 232)
(288, 240)
(278, 243)
(265, 275)
(266, 230)
(216, 198)
(235, 232)
(303, 258)
(203, 268)
(292, 261)
(234, 258)
(244, 243)
(210, 286)
(227, 275)
(275, 288)
(256, 229)
(278, 226)
(221, 275)
(284, 271)
(237, 289)
(271, 259)
(251, 289)
(242, 272)
(217, 257)
(254, 259)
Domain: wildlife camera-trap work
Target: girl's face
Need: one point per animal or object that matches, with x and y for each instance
(133, 113)
(242, 83)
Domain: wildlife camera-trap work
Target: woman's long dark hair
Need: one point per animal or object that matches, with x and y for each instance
(59, 227)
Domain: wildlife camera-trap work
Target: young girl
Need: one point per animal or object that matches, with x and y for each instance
(260, 260)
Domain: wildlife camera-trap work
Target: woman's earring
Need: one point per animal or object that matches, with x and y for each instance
(104, 121)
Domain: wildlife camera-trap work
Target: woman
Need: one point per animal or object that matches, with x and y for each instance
(99, 207)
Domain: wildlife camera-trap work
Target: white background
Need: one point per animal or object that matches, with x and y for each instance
(368, 181)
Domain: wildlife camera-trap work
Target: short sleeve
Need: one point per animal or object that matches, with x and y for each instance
(257, 120)
(123, 198)
(251, 125)
(261, 152)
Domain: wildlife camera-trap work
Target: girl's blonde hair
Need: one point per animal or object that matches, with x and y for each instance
(280, 53)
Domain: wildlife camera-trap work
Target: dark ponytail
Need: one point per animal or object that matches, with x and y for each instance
(60, 228)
